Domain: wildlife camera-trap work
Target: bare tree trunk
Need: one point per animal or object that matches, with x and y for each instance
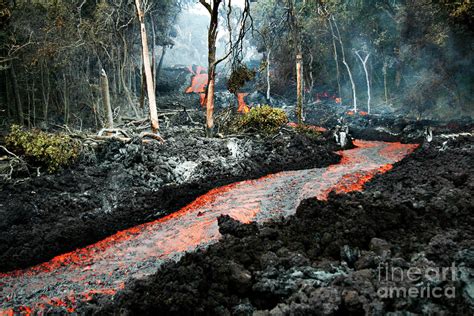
(160, 64)
(268, 74)
(311, 77)
(153, 53)
(211, 45)
(28, 98)
(294, 27)
(146, 63)
(33, 101)
(45, 88)
(385, 88)
(65, 101)
(122, 78)
(7, 96)
(336, 61)
(299, 88)
(354, 93)
(364, 64)
(142, 87)
(210, 108)
(16, 92)
(104, 85)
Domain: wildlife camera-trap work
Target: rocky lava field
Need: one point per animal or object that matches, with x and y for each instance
(247, 247)
(326, 259)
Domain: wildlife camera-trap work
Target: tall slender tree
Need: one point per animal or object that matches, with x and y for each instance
(295, 27)
(150, 84)
(213, 8)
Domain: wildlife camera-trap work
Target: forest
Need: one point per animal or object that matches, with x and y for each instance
(236, 157)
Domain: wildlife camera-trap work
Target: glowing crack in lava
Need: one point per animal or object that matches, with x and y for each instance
(102, 268)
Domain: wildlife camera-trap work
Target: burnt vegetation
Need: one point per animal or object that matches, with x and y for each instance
(236, 157)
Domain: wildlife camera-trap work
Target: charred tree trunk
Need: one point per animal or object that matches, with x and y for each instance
(16, 93)
(160, 63)
(148, 74)
(33, 101)
(45, 88)
(10, 111)
(104, 85)
(65, 101)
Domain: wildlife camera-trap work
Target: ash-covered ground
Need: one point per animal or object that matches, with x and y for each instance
(336, 257)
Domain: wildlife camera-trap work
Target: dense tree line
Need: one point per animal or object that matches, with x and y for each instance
(414, 54)
(417, 53)
(53, 52)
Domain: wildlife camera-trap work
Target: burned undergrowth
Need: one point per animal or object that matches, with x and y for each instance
(326, 258)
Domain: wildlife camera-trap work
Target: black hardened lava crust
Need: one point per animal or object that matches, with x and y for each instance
(324, 260)
(129, 184)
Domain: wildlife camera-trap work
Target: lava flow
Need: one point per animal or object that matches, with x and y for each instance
(199, 85)
(104, 267)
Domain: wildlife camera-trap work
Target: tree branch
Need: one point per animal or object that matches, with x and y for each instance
(206, 5)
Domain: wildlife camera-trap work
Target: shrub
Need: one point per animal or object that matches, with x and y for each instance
(263, 119)
(52, 151)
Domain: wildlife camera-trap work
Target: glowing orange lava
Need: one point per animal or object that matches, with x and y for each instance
(104, 267)
(199, 84)
(243, 107)
(361, 113)
(198, 81)
(327, 96)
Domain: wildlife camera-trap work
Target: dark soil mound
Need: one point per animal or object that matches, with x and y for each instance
(122, 185)
(326, 259)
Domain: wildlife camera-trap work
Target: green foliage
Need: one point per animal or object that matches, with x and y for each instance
(239, 77)
(52, 151)
(263, 119)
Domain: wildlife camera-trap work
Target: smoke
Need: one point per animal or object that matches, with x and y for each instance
(190, 43)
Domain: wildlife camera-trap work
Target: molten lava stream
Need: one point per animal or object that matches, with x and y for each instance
(102, 268)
